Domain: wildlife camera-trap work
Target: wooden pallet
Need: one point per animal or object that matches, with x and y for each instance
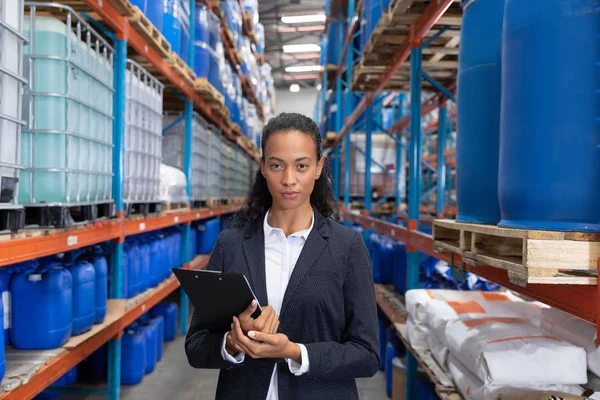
(150, 33)
(529, 256)
(208, 93)
(123, 7)
(170, 208)
(248, 27)
(236, 201)
(444, 386)
(440, 59)
(182, 69)
(213, 202)
(235, 129)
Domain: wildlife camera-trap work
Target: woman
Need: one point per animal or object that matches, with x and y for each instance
(319, 331)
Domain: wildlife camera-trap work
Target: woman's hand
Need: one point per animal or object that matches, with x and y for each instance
(262, 345)
(268, 322)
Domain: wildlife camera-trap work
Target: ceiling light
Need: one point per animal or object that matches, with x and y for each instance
(319, 86)
(294, 88)
(304, 68)
(300, 19)
(301, 48)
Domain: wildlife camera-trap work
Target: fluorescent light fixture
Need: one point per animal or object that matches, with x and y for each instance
(294, 88)
(319, 86)
(304, 68)
(300, 19)
(301, 48)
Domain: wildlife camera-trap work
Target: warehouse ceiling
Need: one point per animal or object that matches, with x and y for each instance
(279, 34)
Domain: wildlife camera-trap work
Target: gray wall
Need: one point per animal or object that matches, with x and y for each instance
(302, 102)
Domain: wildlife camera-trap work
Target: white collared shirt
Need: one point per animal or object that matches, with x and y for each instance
(281, 256)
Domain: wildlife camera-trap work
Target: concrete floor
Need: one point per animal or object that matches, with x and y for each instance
(173, 378)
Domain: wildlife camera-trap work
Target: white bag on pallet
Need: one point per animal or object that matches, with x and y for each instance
(417, 334)
(473, 389)
(504, 351)
(417, 299)
(576, 331)
(440, 312)
(439, 351)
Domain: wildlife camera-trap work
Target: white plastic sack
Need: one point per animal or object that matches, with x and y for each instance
(417, 299)
(439, 351)
(172, 185)
(574, 330)
(504, 351)
(440, 312)
(473, 389)
(417, 334)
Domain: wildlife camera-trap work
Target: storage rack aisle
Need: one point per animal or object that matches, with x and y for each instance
(124, 32)
(375, 63)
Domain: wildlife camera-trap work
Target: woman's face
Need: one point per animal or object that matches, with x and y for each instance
(291, 168)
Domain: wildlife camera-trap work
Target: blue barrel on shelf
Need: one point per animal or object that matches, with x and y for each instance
(387, 260)
(400, 268)
(6, 274)
(159, 322)
(202, 42)
(172, 28)
(214, 25)
(156, 259)
(150, 330)
(184, 50)
(479, 82)
(133, 355)
(193, 243)
(83, 276)
(154, 12)
(101, 289)
(133, 286)
(336, 33)
(144, 266)
(42, 307)
(208, 232)
(549, 157)
(169, 313)
(177, 240)
(373, 245)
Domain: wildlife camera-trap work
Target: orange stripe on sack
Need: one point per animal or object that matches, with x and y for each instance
(474, 323)
(469, 391)
(492, 296)
(467, 307)
(523, 338)
(430, 295)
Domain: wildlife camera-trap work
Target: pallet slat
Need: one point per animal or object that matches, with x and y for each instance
(148, 31)
(529, 256)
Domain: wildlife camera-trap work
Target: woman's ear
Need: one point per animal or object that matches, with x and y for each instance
(320, 167)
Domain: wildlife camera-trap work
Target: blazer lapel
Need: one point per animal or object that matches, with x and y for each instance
(254, 250)
(311, 251)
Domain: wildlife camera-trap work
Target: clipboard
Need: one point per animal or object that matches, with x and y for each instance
(217, 297)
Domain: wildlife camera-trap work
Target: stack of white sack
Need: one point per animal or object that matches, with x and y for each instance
(512, 351)
(416, 300)
(473, 389)
(575, 330)
(439, 313)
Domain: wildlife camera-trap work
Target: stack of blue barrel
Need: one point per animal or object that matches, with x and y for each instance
(207, 234)
(176, 25)
(389, 261)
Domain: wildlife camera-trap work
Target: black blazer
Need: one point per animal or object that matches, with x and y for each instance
(329, 306)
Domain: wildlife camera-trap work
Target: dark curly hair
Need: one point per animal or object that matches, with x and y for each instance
(260, 199)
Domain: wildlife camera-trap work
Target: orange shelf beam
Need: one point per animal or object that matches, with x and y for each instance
(579, 300)
(160, 293)
(395, 311)
(28, 248)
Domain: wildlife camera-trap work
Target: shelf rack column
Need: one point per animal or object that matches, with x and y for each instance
(400, 157)
(414, 196)
(441, 160)
(346, 110)
(187, 167)
(116, 267)
(368, 154)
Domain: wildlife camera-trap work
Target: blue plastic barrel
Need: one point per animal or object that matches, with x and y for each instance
(101, 267)
(133, 270)
(390, 354)
(336, 33)
(133, 355)
(159, 322)
(150, 330)
(155, 263)
(169, 313)
(125, 276)
(387, 260)
(172, 28)
(549, 156)
(6, 274)
(184, 50)
(177, 241)
(144, 266)
(208, 232)
(42, 307)
(479, 82)
(400, 268)
(154, 12)
(84, 296)
(214, 25)
(193, 243)
(202, 42)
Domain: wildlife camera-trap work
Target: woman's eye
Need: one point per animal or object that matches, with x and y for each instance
(275, 166)
(302, 166)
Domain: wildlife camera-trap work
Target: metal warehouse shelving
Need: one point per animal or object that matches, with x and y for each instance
(110, 17)
(580, 300)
